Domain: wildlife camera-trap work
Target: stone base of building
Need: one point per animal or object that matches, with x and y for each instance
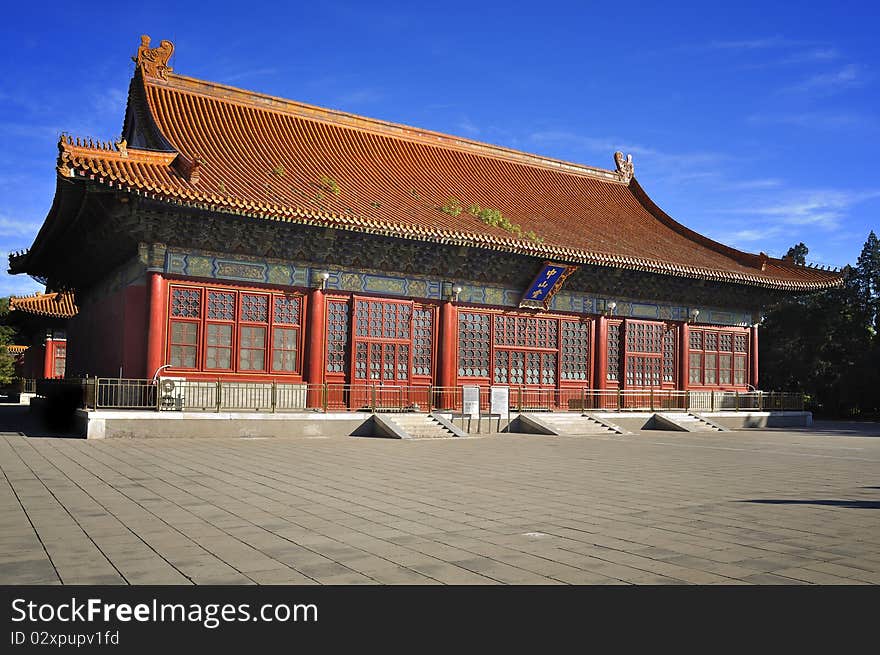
(101, 424)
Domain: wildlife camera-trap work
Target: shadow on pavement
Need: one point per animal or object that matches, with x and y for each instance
(851, 504)
(18, 419)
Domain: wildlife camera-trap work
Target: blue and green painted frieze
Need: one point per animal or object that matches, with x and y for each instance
(233, 268)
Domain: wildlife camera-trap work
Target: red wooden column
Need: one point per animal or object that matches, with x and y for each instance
(601, 358)
(448, 352)
(683, 365)
(156, 323)
(49, 357)
(753, 351)
(315, 346)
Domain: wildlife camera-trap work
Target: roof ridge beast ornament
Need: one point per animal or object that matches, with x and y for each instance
(624, 166)
(154, 61)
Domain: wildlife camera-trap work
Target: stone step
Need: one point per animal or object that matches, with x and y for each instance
(420, 426)
(574, 425)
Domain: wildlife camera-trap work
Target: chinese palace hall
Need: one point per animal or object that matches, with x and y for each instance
(233, 235)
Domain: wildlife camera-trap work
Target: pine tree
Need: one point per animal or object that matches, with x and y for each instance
(827, 344)
(7, 337)
(868, 279)
(798, 253)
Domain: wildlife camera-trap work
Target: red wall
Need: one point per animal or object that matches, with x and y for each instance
(108, 333)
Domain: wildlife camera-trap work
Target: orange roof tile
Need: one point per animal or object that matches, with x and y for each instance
(54, 305)
(252, 154)
(16, 350)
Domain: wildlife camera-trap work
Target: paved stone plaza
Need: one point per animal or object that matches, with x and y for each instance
(762, 507)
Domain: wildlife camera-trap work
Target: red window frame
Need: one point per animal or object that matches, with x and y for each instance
(234, 321)
(185, 311)
(718, 358)
(222, 320)
(382, 335)
(59, 356)
(513, 339)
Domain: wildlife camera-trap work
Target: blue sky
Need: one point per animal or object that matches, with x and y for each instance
(757, 124)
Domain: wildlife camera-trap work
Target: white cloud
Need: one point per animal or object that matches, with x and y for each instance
(16, 285)
(756, 44)
(10, 227)
(821, 208)
(813, 120)
(831, 82)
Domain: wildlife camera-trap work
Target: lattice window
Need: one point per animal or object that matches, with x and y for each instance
(287, 310)
(218, 352)
(221, 305)
(473, 344)
(285, 343)
(525, 367)
(501, 366)
(60, 362)
(670, 338)
(252, 348)
(337, 337)
(716, 359)
(696, 340)
(644, 337)
(575, 351)
(642, 371)
(402, 361)
(184, 343)
(695, 366)
(382, 320)
(526, 332)
(186, 303)
(725, 368)
(375, 361)
(739, 369)
(382, 323)
(360, 361)
(711, 341)
(548, 369)
(254, 307)
(423, 341)
(613, 350)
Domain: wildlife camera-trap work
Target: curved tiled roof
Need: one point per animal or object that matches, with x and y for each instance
(15, 349)
(58, 304)
(252, 154)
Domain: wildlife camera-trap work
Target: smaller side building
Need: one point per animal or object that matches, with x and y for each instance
(41, 320)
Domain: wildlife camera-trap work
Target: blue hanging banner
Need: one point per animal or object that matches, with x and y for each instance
(547, 282)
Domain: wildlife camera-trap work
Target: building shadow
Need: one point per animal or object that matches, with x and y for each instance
(18, 419)
(850, 504)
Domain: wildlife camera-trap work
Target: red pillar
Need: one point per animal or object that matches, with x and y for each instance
(315, 346)
(447, 368)
(156, 323)
(49, 358)
(601, 352)
(753, 350)
(683, 365)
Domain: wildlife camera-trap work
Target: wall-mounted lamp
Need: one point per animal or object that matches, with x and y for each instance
(611, 307)
(456, 290)
(324, 277)
(694, 314)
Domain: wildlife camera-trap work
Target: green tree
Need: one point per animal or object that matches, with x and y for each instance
(826, 343)
(868, 279)
(798, 253)
(7, 337)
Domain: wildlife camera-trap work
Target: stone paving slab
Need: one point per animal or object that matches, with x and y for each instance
(741, 507)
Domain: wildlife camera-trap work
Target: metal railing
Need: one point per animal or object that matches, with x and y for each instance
(221, 395)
